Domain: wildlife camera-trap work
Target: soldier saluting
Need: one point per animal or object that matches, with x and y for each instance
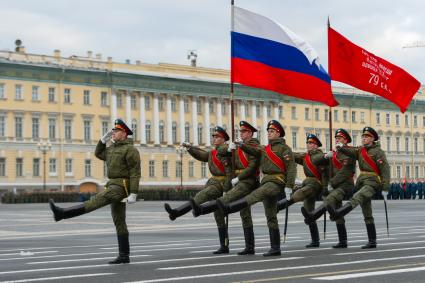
(215, 185)
(245, 181)
(313, 163)
(374, 176)
(123, 163)
(279, 170)
(341, 184)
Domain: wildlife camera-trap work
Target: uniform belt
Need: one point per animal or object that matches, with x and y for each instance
(278, 176)
(220, 178)
(370, 174)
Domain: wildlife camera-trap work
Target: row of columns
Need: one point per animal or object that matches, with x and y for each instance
(182, 122)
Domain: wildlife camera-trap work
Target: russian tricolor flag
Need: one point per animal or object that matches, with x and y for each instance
(269, 56)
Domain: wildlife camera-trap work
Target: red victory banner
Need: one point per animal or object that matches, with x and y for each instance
(353, 65)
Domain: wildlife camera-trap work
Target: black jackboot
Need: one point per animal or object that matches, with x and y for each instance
(124, 250)
(232, 207)
(249, 241)
(204, 208)
(371, 234)
(274, 243)
(177, 212)
(340, 212)
(310, 217)
(314, 232)
(283, 203)
(224, 248)
(65, 213)
(342, 237)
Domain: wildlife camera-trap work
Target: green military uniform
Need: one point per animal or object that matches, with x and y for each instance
(342, 170)
(272, 183)
(368, 182)
(312, 185)
(123, 170)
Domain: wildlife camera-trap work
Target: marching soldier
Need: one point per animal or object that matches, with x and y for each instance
(314, 164)
(340, 185)
(123, 163)
(374, 176)
(245, 181)
(215, 186)
(279, 170)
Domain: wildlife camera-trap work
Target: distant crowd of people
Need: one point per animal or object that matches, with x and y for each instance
(412, 189)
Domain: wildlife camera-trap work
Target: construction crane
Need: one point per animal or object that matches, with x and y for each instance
(415, 44)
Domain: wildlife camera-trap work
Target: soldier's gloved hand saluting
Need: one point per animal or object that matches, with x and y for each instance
(186, 144)
(106, 137)
(131, 198)
(232, 146)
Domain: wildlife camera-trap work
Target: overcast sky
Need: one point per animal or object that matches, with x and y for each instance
(156, 31)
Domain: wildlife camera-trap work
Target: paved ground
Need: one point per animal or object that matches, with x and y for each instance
(34, 248)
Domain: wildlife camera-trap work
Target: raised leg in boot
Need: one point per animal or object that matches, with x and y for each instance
(249, 241)
(204, 208)
(310, 217)
(232, 207)
(177, 212)
(342, 237)
(64, 213)
(274, 243)
(283, 203)
(340, 212)
(222, 234)
(314, 232)
(124, 250)
(371, 234)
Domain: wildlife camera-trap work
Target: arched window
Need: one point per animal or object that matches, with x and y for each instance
(148, 131)
(187, 132)
(161, 131)
(174, 132)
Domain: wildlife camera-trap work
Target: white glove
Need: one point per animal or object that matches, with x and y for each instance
(288, 192)
(330, 188)
(232, 146)
(186, 144)
(384, 194)
(238, 141)
(339, 145)
(235, 181)
(131, 198)
(106, 137)
(329, 154)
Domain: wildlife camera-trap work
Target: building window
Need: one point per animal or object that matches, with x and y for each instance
(67, 95)
(34, 93)
(103, 98)
(87, 167)
(165, 168)
(398, 173)
(336, 116)
(257, 110)
(36, 167)
(187, 132)
(269, 110)
(387, 119)
(307, 113)
(148, 131)
(52, 166)
(161, 132)
(280, 110)
(173, 104)
(2, 126)
(294, 140)
(68, 128)
(52, 128)
(388, 144)
(198, 106)
(293, 113)
(200, 134)
(133, 102)
(345, 116)
(174, 132)
(68, 166)
(354, 140)
(247, 113)
(191, 165)
(87, 131)
(362, 117)
(160, 103)
(119, 100)
(35, 128)
(406, 120)
(415, 145)
(408, 171)
(203, 170)
(186, 105)
(105, 127)
(147, 102)
(406, 144)
(415, 121)
(52, 94)
(18, 127)
(134, 128)
(326, 115)
(416, 172)
(397, 119)
(397, 144)
(178, 169)
(18, 92)
(2, 167)
(19, 167)
(211, 107)
(317, 114)
(2, 92)
(151, 168)
(353, 117)
(86, 97)
(378, 118)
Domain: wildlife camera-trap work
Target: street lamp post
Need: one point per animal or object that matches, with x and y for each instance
(181, 150)
(44, 147)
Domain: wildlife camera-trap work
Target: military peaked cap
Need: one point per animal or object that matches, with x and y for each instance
(219, 131)
(244, 125)
(313, 138)
(273, 124)
(371, 132)
(343, 133)
(119, 124)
